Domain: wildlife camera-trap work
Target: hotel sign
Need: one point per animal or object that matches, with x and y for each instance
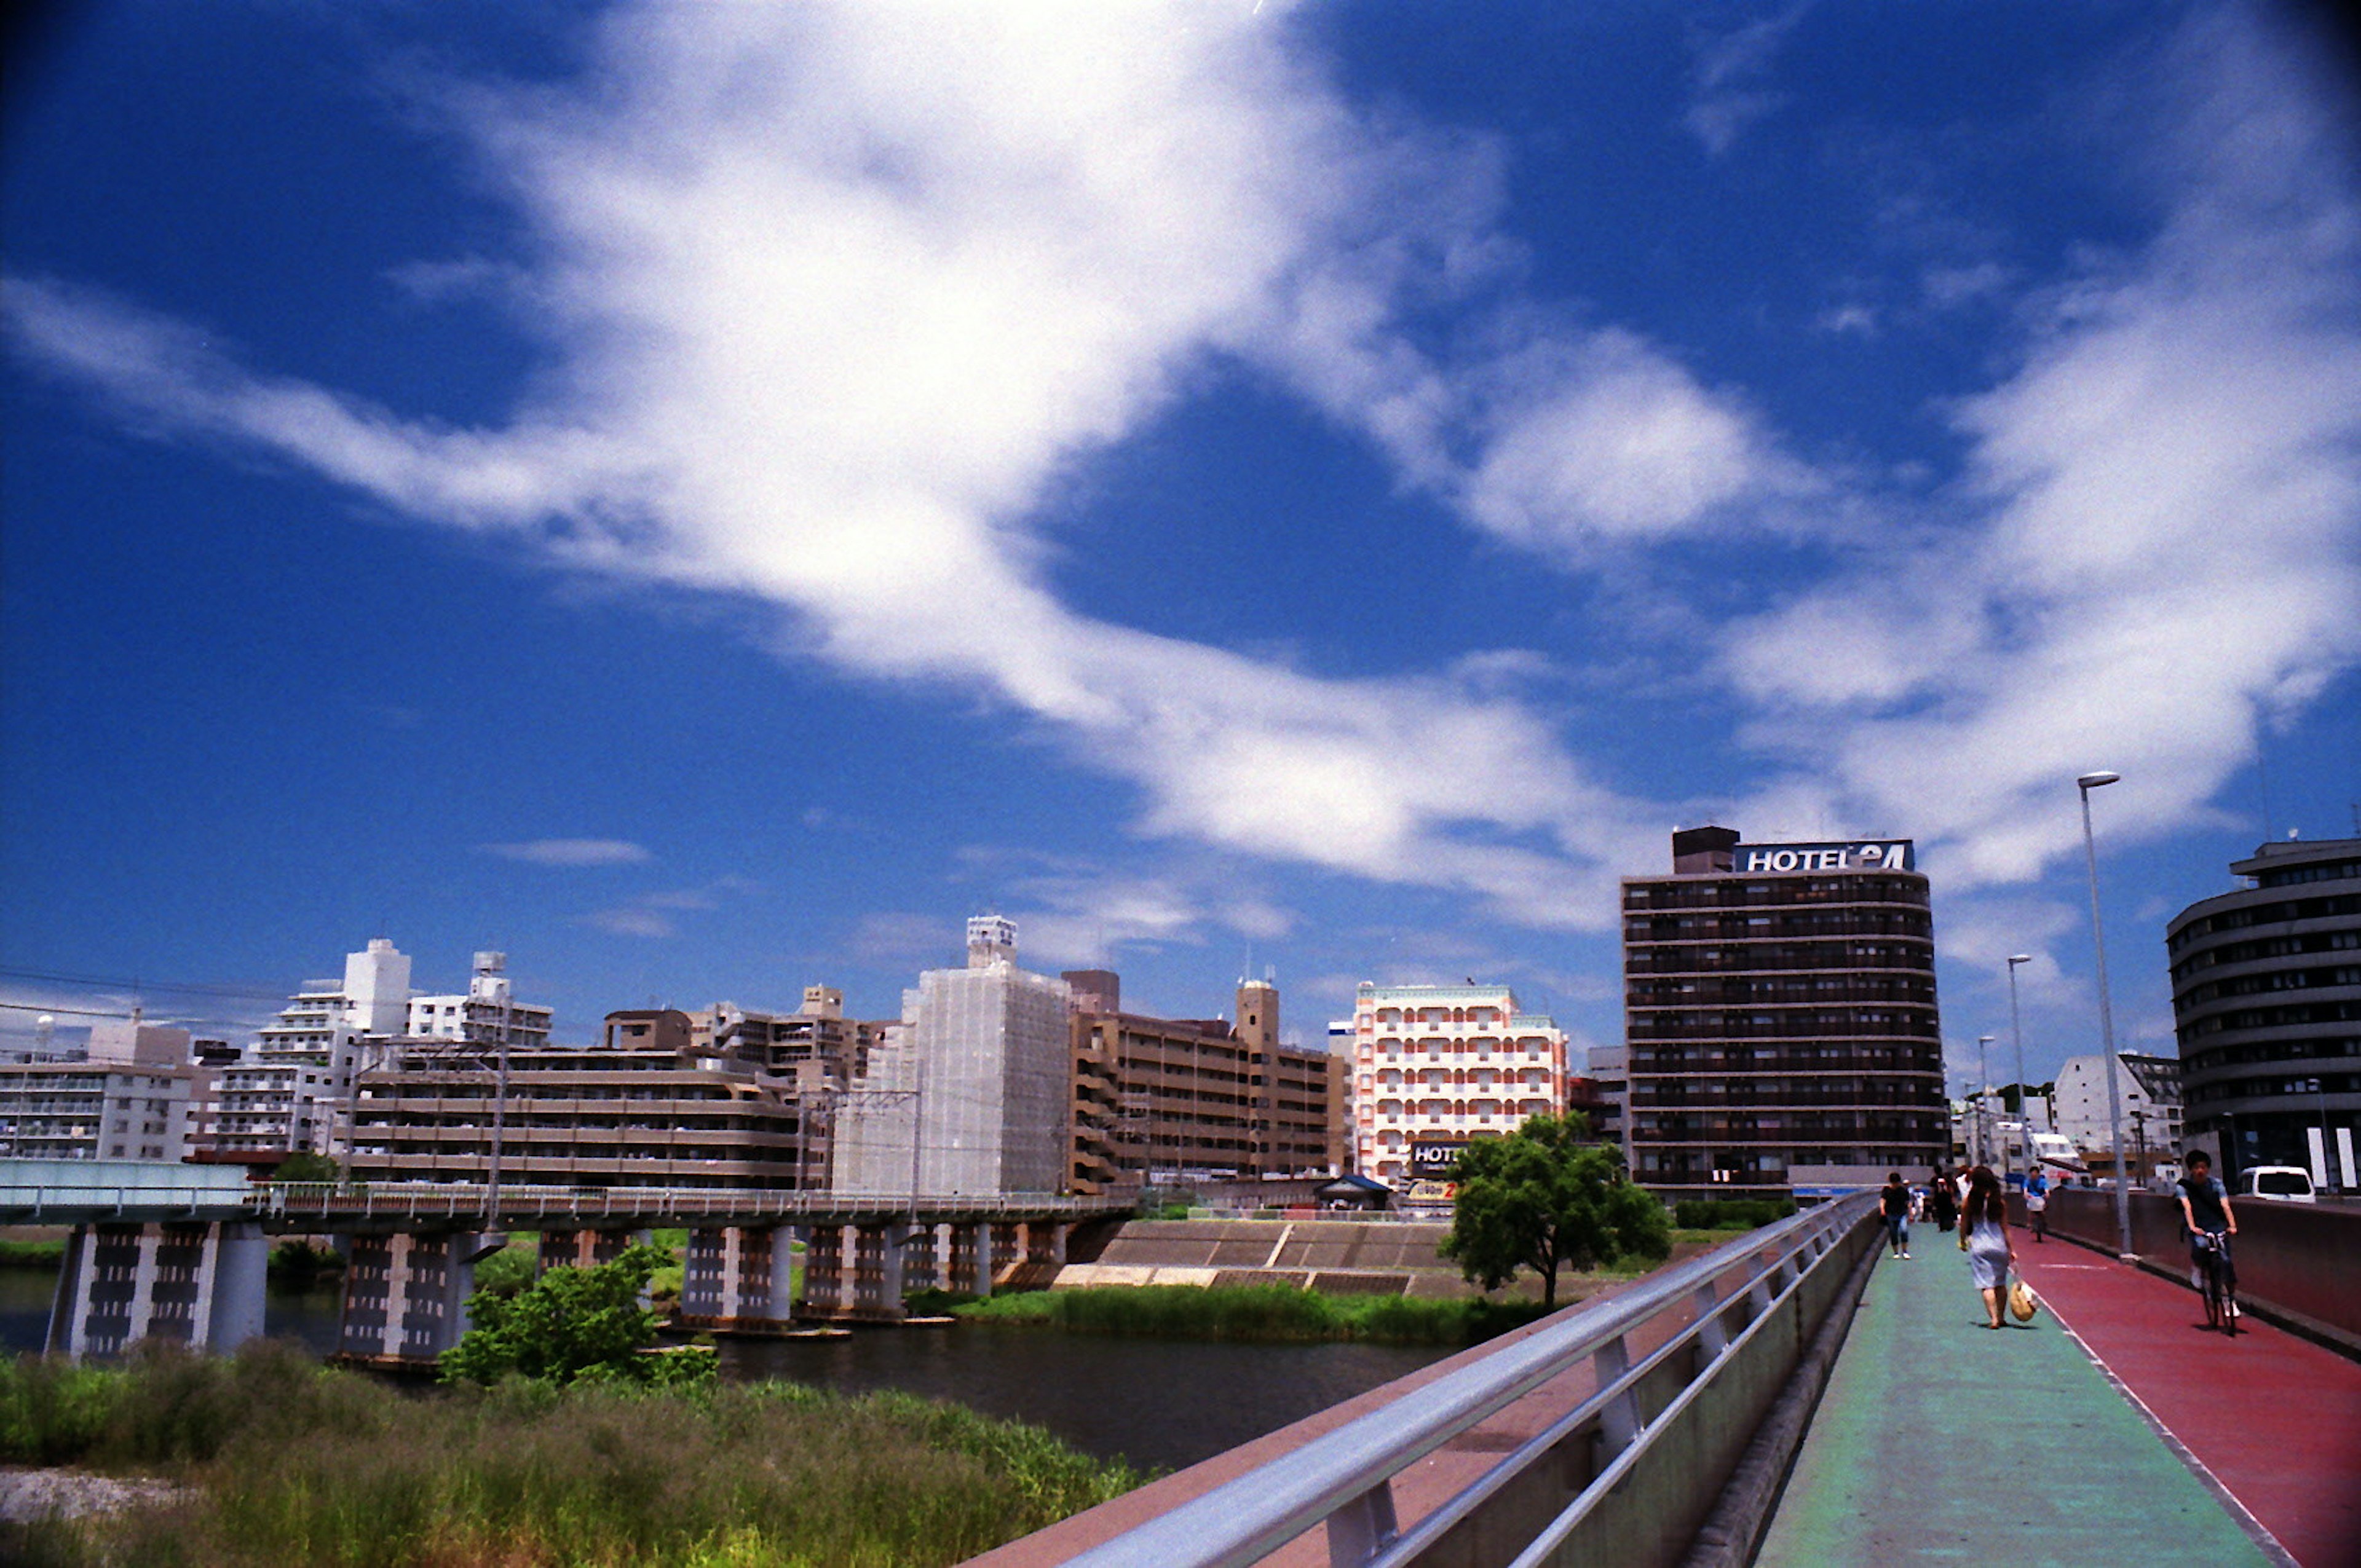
(1885, 854)
(1435, 1158)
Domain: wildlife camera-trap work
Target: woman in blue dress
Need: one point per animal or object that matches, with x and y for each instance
(1991, 1253)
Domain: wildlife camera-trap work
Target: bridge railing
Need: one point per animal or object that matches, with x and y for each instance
(95, 1198)
(1627, 1475)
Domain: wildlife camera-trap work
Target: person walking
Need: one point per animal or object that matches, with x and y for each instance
(1894, 1203)
(1939, 1199)
(1983, 1223)
(2037, 1204)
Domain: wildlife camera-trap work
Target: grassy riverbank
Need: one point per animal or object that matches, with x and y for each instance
(291, 1462)
(1256, 1312)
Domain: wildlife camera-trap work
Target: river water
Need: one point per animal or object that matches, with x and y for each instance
(1158, 1403)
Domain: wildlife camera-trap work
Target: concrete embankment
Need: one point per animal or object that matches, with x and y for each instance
(1339, 1257)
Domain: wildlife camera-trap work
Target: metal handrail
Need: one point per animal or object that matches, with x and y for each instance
(1255, 1514)
(281, 1201)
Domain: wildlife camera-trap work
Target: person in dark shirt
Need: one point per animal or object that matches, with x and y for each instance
(1893, 1202)
(1943, 1198)
(2205, 1210)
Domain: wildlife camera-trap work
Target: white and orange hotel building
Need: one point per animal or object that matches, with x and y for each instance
(1446, 1063)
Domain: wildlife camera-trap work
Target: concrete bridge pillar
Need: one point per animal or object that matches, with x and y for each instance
(739, 1275)
(200, 1284)
(583, 1249)
(1007, 1246)
(877, 1270)
(405, 1297)
(972, 1257)
(710, 1268)
(826, 1270)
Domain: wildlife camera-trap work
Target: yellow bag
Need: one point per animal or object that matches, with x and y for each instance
(2021, 1304)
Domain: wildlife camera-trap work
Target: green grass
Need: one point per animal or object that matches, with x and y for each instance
(49, 1254)
(1729, 1213)
(1256, 1312)
(294, 1462)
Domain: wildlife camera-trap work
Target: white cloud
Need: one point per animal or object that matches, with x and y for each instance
(572, 852)
(633, 920)
(836, 296)
(2158, 542)
(1723, 104)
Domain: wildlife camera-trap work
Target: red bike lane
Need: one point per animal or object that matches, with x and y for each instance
(2276, 1418)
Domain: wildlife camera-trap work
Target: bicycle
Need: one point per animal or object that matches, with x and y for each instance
(2215, 1283)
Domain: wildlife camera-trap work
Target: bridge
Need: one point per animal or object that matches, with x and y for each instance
(179, 1252)
(1799, 1399)
(1793, 1398)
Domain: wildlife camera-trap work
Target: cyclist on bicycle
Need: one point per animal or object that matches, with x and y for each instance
(2205, 1210)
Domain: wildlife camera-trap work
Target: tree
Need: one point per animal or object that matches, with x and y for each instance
(1544, 1196)
(305, 1165)
(571, 1326)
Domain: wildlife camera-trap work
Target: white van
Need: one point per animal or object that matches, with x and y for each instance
(2280, 1183)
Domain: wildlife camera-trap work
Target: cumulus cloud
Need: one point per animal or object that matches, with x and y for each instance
(2155, 543)
(572, 852)
(835, 297)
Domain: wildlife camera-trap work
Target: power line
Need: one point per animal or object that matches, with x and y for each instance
(108, 982)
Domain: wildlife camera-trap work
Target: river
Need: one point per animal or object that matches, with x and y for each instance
(1158, 1403)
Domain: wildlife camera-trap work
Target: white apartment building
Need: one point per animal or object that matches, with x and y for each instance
(976, 1075)
(487, 1013)
(1440, 1064)
(2150, 1088)
(130, 1098)
(290, 1090)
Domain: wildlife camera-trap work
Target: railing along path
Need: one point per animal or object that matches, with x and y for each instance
(328, 1206)
(1344, 1479)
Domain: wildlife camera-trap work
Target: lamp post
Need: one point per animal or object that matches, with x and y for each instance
(2086, 784)
(2017, 1027)
(1983, 1089)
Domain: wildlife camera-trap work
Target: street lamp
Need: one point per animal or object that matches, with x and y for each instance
(2017, 1027)
(1983, 1088)
(2086, 784)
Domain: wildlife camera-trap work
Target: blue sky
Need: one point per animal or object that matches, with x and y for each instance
(706, 497)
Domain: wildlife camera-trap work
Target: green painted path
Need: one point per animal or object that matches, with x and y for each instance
(1939, 1441)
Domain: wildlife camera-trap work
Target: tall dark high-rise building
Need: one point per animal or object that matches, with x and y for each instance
(1779, 1007)
(2266, 1000)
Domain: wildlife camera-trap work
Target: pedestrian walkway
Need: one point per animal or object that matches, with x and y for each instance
(1940, 1441)
(2274, 1417)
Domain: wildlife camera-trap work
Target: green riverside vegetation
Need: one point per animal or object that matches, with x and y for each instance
(1254, 1313)
(288, 1462)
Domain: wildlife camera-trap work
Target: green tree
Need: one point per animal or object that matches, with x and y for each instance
(305, 1165)
(1545, 1196)
(573, 1325)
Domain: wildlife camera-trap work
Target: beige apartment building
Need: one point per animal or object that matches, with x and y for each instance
(647, 1107)
(1191, 1099)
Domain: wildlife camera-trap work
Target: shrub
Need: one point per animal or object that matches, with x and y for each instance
(347, 1473)
(572, 1323)
(1255, 1312)
(1730, 1213)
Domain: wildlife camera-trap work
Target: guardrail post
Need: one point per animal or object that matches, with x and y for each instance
(1362, 1528)
(1713, 1338)
(1619, 1419)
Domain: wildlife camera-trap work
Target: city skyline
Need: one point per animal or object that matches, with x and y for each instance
(707, 505)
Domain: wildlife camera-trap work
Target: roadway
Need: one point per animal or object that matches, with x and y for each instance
(2114, 1429)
